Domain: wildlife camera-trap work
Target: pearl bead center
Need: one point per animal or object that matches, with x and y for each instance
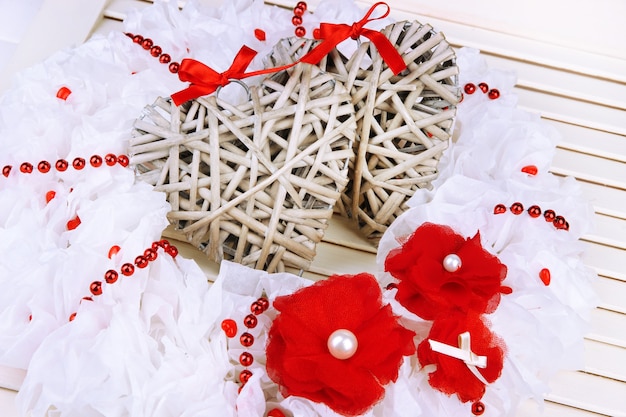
(342, 344)
(452, 262)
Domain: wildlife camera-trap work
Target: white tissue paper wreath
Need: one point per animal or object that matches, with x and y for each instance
(152, 343)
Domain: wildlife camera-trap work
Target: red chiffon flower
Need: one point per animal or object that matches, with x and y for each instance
(452, 375)
(300, 360)
(429, 290)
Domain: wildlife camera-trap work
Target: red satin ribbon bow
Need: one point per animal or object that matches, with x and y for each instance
(205, 80)
(333, 34)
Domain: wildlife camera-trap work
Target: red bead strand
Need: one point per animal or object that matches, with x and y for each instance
(156, 51)
(470, 88)
(535, 212)
(297, 19)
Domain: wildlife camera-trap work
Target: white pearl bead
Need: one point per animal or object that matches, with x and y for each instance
(342, 344)
(452, 263)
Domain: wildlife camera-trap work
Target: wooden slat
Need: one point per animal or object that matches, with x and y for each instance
(605, 360)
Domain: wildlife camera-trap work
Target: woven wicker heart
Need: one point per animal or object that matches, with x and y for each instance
(404, 121)
(254, 183)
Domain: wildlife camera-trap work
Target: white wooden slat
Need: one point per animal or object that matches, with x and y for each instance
(606, 260)
(7, 403)
(591, 141)
(605, 360)
(552, 409)
(612, 293)
(609, 231)
(608, 327)
(606, 200)
(590, 168)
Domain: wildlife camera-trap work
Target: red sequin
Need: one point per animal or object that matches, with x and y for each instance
(246, 359)
(300, 31)
(534, 211)
(78, 163)
(74, 223)
(244, 376)
(499, 209)
(530, 170)
(61, 165)
(44, 167)
(123, 160)
(26, 168)
(155, 51)
(483, 87)
(96, 288)
(545, 276)
(110, 276)
(250, 321)
(260, 34)
(493, 94)
(165, 59)
(127, 269)
(230, 327)
(517, 208)
(114, 251)
(6, 170)
(50, 195)
(478, 408)
(246, 339)
(141, 262)
(275, 412)
(63, 93)
(95, 161)
(72, 316)
(469, 88)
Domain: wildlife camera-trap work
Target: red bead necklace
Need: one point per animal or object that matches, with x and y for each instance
(156, 51)
(297, 19)
(534, 211)
(470, 88)
(62, 165)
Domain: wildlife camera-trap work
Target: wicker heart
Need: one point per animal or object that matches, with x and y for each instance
(254, 183)
(404, 121)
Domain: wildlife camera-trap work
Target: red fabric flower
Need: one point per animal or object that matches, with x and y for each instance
(298, 356)
(452, 375)
(427, 289)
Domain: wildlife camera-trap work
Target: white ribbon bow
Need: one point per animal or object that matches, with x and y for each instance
(464, 353)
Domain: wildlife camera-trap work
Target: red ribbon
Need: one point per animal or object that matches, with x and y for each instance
(333, 34)
(205, 80)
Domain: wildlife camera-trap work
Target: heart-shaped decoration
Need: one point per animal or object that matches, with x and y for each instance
(404, 121)
(254, 183)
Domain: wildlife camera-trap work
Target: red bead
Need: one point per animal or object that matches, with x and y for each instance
(141, 262)
(61, 165)
(506, 290)
(534, 211)
(545, 277)
(275, 412)
(150, 254)
(559, 222)
(483, 87)
(260, 34)
(165, 59)
(478, 408)
(244, 376)
(164, 243)
(137, 38)
(96, 288)
(147, 43)
(230, 327)
(300, 31)
(78, 163)
(72, 316)
(44, 167)
(156, 245)
(499, 209)
(549, 215)
(130, 35)
(127, 269)
(95, 161)
(114, 251)
(110, 276)
(246, 359)
(517, 208)
(299, 11)
(493, 94)
(296, 20)
(74, 223)
(26, 168)
(566, 227)
(86, 299)
(172, 251)
(265, 303)
(173, 67)
(246, 339)
(63, 93)
(302, 5)
(250, 321)
(256, 308)
(530, 170)
(110, 159)
(50, 195)
(123, 160)
(317, 34)
(469, 88)
(155, 51)
(391, 286)
(6, 170)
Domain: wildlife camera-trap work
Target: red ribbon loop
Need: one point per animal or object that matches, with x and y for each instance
(205, 80)
(333, 34)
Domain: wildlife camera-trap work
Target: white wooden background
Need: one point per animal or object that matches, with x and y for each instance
(570, 58)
